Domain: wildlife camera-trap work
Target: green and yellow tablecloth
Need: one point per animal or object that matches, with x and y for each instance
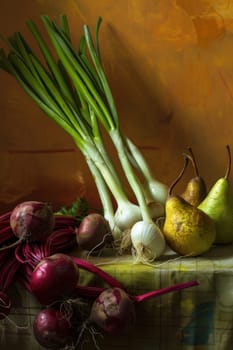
(198, 318)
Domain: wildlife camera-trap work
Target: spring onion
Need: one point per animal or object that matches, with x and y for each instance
(109, 119)
(74, 92)
(154, 189)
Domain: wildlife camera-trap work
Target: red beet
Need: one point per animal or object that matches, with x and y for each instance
(32, 220)
(93, 232)
(113, 311)
(52, 329)
(54, 278)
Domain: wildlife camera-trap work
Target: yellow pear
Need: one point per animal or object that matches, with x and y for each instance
(195, 191)
(187, 230)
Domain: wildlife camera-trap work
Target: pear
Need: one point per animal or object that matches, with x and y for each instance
(187, 230)
(196, 190)
(218, 204)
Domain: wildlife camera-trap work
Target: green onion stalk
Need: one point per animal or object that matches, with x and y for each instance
(154, 189)
(54, 93)
(146, 226)
(107, 116)
(74, 92)
(146, 237)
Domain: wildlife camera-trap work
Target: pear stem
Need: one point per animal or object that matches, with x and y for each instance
(193, 160)
(186, 159)
(229, 162)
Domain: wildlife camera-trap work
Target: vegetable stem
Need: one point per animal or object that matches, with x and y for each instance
(156, 293)
(104, 193)
(94, 269)
(99, 162)
(132, 179)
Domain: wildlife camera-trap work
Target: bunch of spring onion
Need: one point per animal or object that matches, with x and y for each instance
(73, 90)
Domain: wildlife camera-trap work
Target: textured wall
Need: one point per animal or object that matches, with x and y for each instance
(170, 67)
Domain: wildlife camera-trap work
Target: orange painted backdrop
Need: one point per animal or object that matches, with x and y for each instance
(170, 67)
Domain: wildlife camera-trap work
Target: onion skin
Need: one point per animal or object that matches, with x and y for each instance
(5, 305)
(113, 311)
(52, 329)
(93, 232)
(54, 278)
(32, 220)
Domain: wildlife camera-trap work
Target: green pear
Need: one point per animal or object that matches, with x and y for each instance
(187, 230)
(195, 190)
(218, 205)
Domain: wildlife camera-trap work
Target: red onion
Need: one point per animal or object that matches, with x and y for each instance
(54, 278)
(53, 330)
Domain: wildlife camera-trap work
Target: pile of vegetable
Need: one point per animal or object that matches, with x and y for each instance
(44, 266)
(69, 84)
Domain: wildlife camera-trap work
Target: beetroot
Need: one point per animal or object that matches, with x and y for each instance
(113, 311)
(53, 330)
(54, 278)
(32, 220)
(93, 232)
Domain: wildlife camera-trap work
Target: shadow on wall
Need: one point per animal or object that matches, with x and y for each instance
(151, 102)
(155, 129)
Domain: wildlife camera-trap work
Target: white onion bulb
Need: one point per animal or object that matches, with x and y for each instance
(147, 240)
(126, 215)
(155, 190)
